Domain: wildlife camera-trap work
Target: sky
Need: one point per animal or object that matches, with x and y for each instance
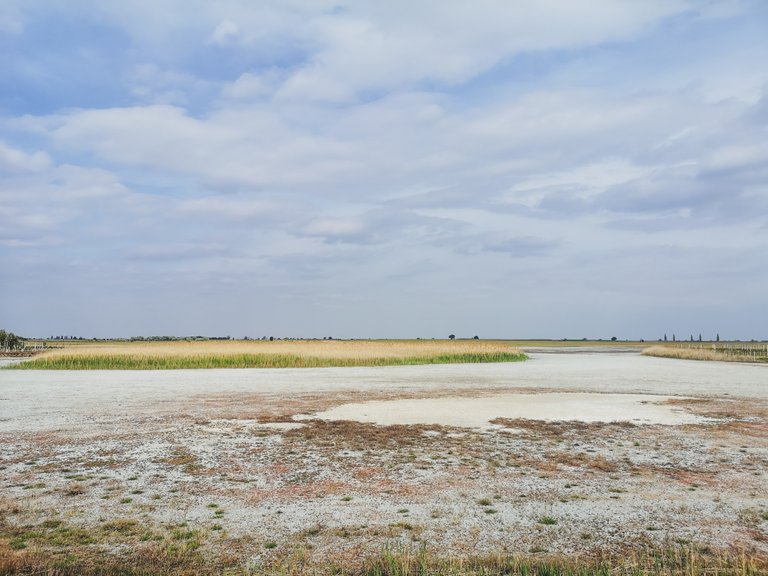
(297, 168)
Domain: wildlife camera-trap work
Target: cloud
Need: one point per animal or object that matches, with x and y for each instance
(386, 226)
(740, 156)
(493, 242)
(348, 159)
(231, 209)
(225, 32)
(335, 228)
(178, 251)
(341, 52)
(44, 204)
(250, 85)
(371, 47)
(521, 246)
(15, 160)
(152, 84)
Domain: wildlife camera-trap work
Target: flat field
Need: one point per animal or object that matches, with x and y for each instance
(569, 463)
(123, 355)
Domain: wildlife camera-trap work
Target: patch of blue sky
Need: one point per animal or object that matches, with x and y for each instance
(675, 50)
(63, 60)
(226, 63)
(673, 55)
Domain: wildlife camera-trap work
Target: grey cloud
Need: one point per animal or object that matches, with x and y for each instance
(448, 197)
(522, 246)
(378, 226)
(247, 208)
(515, 246)
(169, 251)
(708, 197)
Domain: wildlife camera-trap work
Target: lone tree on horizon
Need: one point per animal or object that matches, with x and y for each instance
(452, 336)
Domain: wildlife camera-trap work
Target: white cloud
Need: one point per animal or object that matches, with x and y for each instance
(225, 32)
(15, 160)
(47, 205)
(178, 251)
(374, 48)
(150, 83)
(250, 85)
(230, 208)
(582, 182)
(334, 227)
(737, 156)
(338, 51)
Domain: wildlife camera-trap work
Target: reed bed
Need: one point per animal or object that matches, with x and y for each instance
(265, 354)
(713, 351)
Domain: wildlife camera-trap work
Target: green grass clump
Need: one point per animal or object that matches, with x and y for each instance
(148, 362)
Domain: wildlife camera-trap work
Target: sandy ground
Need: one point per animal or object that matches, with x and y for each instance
(666, 451)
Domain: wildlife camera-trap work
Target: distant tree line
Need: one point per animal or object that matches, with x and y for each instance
(9, 342)
(674, 338)
(177, 338)
(144, 338)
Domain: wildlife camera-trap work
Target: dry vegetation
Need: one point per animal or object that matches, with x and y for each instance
(722, 352)
(221, 492)
(269, 354)
(176, 551)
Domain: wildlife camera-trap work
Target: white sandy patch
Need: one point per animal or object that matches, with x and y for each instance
(478, 412)
(230, 425)
(282, 426)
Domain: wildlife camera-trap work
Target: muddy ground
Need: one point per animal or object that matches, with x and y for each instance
(99, 462)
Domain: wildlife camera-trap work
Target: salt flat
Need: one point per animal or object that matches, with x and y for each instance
(618, 448)
(40, 400)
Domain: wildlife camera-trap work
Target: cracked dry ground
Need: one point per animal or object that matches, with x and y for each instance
(225, 476)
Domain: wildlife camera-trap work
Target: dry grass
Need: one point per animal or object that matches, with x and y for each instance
(711, 352)
(128, 546)
(294, 353)
(175, 554)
